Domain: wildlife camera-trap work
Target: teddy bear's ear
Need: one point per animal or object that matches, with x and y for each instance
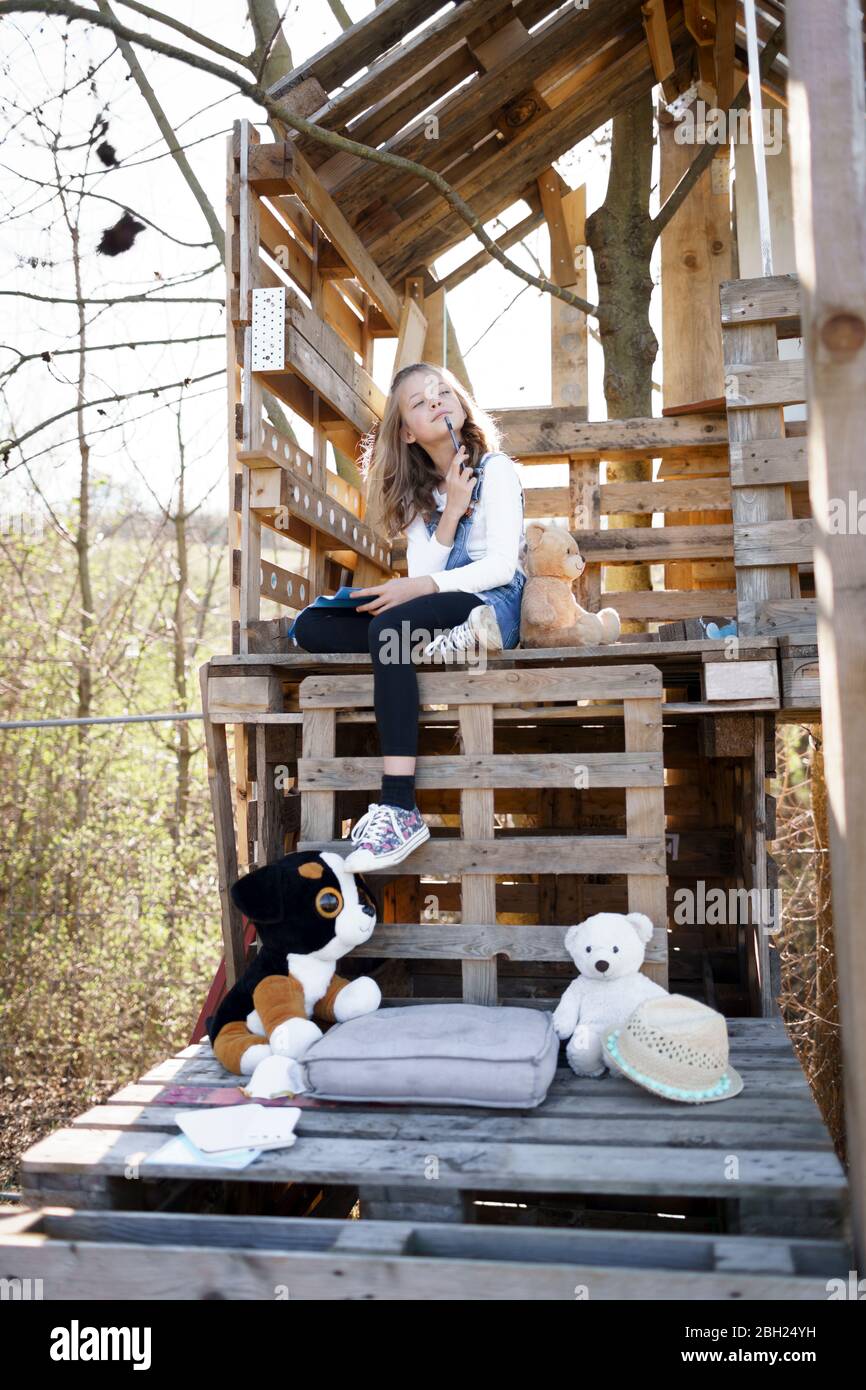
(642, 925)
(259, 895)
(571, 937)
(534, 533)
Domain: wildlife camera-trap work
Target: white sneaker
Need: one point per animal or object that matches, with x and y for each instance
(385, 835)
(480, 630)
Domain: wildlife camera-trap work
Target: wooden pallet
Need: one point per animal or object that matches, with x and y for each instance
(259, 697)
(479, 855)
(773, 526)
(154, 1256)
(762, 1161)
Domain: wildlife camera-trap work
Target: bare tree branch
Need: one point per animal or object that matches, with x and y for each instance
(112, 400)
(201, 39)
(257, 93)
(177, 154)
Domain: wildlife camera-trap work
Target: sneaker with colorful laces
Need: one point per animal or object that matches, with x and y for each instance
(385, 835)
(480, 631)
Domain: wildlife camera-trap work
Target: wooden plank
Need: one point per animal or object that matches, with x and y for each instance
(406, 60)
(550, 854)
(359, 45)
(763, 462)
(725, 51)
(666, 605)
(478, 940)
(645, 818)
(268, 830)
(511, 60)
(348, 386)
(152, 1255)
(774, 543)
(696, 494)
(411, 336)
(477, 891)
(230, 696)
(801, 682)
(618, 76)
(658, 38)
(478, 770)
(746, 343)
(641, 645)
(766, 299)
(740, 680)
(760, 882)
(491, 686)
(284, 586)
(271, 167)
(779, 616)
(541, 430)
(317, 372)
(646, 1170)
(655, 543)
(219, 782)
(557, 1126)
(317, 807)
(277, 491)
(764, 383)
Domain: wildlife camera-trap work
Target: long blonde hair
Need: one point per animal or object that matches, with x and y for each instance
(400, 477)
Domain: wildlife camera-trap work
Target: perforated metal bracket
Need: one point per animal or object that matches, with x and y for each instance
(269, 330)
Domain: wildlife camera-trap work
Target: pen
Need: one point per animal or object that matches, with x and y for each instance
(454, 440)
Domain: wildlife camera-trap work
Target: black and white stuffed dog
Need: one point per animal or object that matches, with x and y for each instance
(308, 911)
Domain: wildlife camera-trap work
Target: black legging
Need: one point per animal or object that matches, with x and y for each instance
(391, 648)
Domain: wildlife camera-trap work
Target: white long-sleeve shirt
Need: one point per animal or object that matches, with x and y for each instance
(496, 537)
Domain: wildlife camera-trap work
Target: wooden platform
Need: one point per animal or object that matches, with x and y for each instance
(761, 1164)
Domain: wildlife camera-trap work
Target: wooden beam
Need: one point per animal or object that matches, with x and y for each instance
(413, 332)
(825, 52)
(271, 167)
(359, 45)
(499, 178)
(407, 60)
(542, 430)
(659, 41)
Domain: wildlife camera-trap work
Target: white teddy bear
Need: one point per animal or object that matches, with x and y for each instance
(608, 950)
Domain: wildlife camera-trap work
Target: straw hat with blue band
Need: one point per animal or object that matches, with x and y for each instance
(676, 1047)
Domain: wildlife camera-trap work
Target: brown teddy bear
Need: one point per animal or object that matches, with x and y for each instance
(550, 615)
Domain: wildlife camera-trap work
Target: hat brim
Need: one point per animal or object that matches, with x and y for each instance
(735, 1088)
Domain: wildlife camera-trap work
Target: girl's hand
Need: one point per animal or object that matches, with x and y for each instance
(458, 486)
(394, 591)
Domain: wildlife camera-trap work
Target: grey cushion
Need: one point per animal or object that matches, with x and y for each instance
(446, 1054)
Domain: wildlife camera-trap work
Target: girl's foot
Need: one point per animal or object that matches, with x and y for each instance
(480, 630)
(385, 835)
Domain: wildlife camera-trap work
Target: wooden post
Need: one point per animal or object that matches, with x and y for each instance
(827, 157)
(219, 780)
(695, 259)
(645, 817)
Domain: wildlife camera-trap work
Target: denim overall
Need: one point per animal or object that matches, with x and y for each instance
(505, 598)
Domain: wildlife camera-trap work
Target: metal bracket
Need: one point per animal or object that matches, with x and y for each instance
(269, 330)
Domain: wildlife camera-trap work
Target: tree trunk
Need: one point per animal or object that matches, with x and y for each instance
(621, 236)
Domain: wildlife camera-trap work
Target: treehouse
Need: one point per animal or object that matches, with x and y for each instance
(327, 253)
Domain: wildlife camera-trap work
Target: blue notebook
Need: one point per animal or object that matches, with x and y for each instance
(342, 598)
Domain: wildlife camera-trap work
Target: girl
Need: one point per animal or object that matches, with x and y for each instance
(463, 518)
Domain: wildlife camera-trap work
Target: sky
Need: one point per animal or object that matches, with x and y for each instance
(134, 442)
